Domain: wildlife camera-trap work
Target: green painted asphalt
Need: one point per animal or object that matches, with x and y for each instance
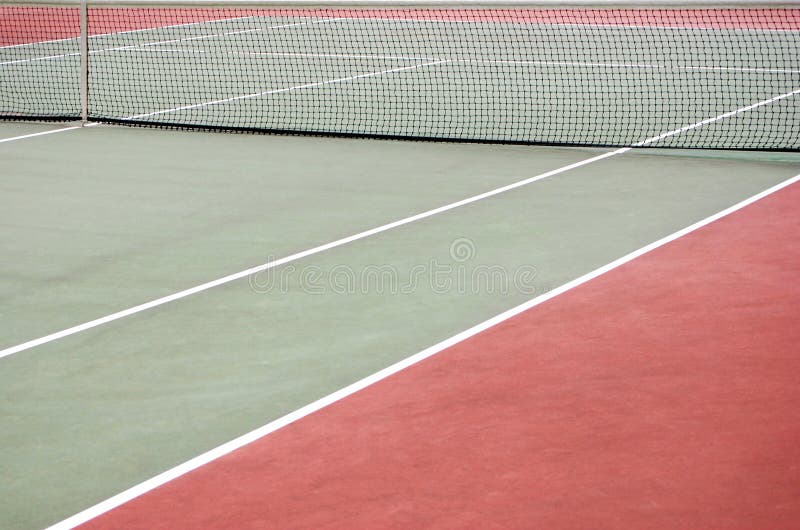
(99, 219)
(12, 129)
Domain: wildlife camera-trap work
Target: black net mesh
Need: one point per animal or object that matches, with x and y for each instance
(669, 78)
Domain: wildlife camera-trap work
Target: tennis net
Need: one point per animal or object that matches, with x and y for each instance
(574, 73)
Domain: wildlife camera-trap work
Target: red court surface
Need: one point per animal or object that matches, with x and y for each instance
(28, 25)
(661, 395)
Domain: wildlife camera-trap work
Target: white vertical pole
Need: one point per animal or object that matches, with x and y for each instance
(84, 52)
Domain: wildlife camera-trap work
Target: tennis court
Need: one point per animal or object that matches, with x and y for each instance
(201, 329)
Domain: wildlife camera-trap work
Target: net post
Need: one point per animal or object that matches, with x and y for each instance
(84, 53)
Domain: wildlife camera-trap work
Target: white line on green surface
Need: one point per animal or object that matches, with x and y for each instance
(361, 235)
(294, 257)
(32, 135)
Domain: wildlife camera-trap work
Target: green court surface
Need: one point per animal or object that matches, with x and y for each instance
(99, 219)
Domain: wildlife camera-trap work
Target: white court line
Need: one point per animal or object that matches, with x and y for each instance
(41, 58)
(24, 136)
(545, 25)
(629, 65)
(37, 43)
(141, 48)
(694, 29)
(716, 118)
(294, 257)
(295, 54)
(171, 41)
(361, 235)
(246, 439)
(280, 90)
